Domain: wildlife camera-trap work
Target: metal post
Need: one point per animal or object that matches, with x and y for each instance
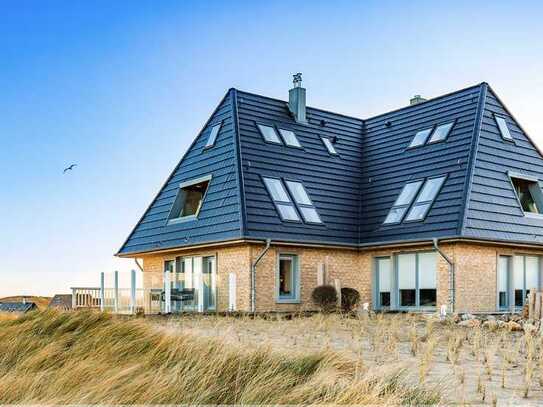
(102, 292)
(116, 292)
(132, 291)
(74, 298)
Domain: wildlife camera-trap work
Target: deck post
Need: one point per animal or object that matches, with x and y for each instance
(132, 291)
(102, 292)
(116, 291)
(74, 298)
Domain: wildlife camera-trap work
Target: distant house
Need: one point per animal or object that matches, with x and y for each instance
(61, 301)
(17, 307)
(438, 202)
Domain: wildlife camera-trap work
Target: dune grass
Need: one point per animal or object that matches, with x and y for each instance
(85, 357)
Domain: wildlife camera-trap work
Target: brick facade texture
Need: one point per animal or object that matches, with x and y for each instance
(475, 272)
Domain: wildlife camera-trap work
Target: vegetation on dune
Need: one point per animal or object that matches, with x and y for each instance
(41, 302)
(85, 357)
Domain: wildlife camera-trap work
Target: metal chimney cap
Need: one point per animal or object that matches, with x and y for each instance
(297, 80)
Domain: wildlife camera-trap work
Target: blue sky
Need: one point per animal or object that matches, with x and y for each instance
(121, 88)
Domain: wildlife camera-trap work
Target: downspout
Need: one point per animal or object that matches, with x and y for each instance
(253, 275)
(137, 264)
(451, 274)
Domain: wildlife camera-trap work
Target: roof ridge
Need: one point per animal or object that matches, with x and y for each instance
(468, 181)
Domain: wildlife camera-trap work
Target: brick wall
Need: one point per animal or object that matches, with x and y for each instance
(475, 268)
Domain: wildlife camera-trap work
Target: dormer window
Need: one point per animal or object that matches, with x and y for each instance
(213, 135)
(329, 146)
(504, 129)
(189, 199)
(269, 134)
(528, 193)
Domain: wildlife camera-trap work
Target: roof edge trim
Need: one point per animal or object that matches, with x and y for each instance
(239, 165)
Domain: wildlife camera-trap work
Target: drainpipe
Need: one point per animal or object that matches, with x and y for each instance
(253, 275)
(137, 264)
(451, 274)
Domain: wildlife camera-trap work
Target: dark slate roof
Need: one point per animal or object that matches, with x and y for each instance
(63, 301)
(17, 306)
(353, 191)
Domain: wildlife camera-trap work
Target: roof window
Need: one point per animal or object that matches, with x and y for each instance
(528, 193)
(504, 129)
(305, 206)
(269, 134)
(189, 199)
(439, 133)
(329, 146)
(281, 200)
(213, 135)
(290, 138)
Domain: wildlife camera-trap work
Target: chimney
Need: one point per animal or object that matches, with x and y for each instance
(296, 99)
(415, 100)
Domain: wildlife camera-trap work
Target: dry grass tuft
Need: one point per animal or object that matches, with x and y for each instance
(93, 358)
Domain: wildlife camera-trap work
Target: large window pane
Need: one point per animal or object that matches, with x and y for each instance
(418, 212)
(518, 280)
(427, 279)
(269, 134)
(298, 192)
(384, 269)
(407, 279)
(276, 189)
(430, 189)
(503, 278)
(408, 193)
(287, 212)
(532, 273)
(420, 138)
(310, 215)
(395, 215)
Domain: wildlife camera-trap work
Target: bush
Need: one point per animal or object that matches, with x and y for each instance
(325, 296)
(349, 299)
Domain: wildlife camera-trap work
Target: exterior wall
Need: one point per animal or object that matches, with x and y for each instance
(475, 273)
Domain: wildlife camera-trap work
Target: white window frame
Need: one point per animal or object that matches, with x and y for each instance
(503, 128)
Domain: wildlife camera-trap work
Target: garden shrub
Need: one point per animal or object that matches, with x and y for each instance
(350, 298)
(325, 296)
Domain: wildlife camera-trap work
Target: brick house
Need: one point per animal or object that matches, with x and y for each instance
(438, 202)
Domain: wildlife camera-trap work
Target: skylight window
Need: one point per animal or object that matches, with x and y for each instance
(290, 138)
(280, 198)
(420, 138)
(269, 134)
(529, 194)
(425, 199)
(213, 135)
(306, 207)
(504, 129)
(189, 199)
(404, 200)
(441, 133)
(329, 146)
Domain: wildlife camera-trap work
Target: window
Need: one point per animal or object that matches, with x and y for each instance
(288, 288)
(329, 146)
(420, 138)
(441, 133)
(290, 138)
(528, 194)
(417, 284)
(503, 282)
(504, 129)
(269, 134)
(384, 281)
(188, 201)
(280, 198)
(525, 277)
(403, 202)
(306, 207)
(213, 135)
(425, 199)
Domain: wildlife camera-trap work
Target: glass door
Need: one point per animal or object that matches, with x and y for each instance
(209, 283)
(384, 282)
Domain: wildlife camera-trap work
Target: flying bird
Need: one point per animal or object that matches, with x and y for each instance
(71, 167)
